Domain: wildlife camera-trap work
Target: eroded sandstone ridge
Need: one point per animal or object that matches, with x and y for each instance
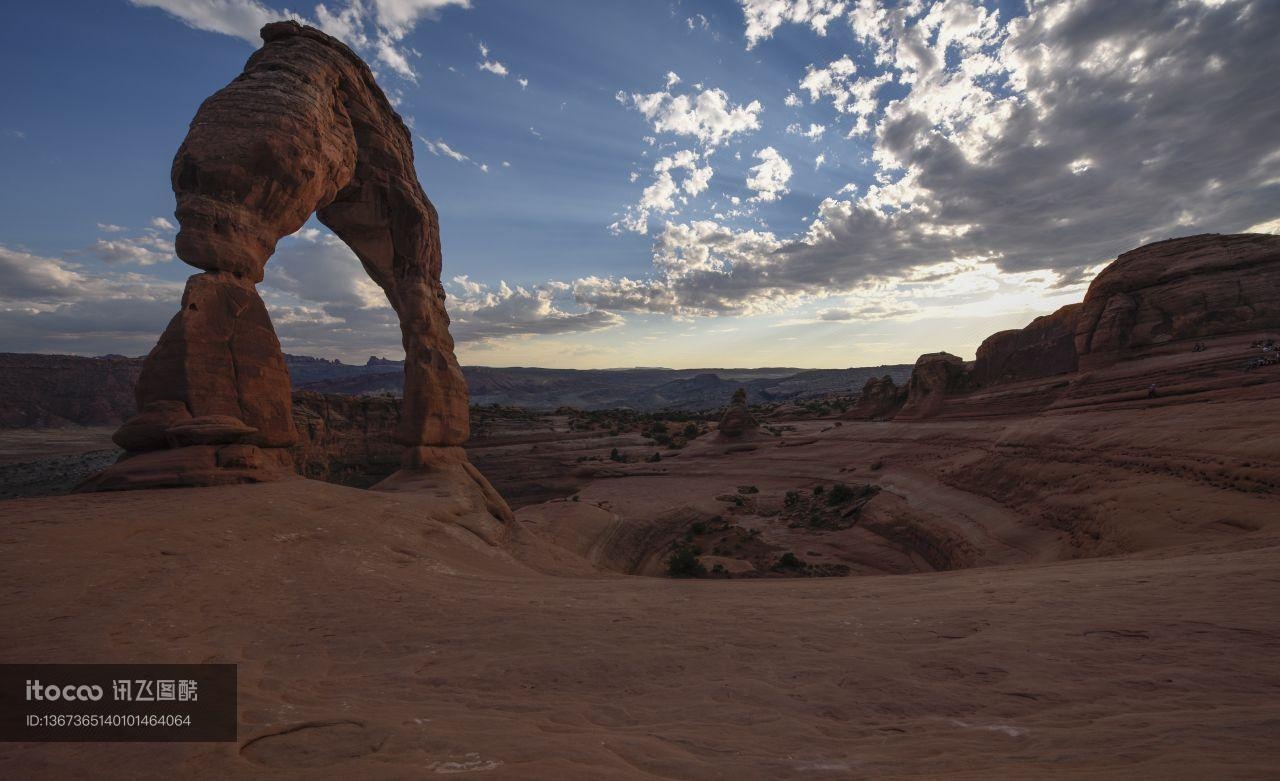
(1189, 288)
(304, 129)
(1155, 300)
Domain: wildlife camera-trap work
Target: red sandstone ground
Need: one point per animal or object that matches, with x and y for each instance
(1115, 616)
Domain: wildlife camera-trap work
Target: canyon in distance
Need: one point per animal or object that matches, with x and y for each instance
(1059, 559)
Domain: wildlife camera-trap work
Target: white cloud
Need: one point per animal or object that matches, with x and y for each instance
(480, 313)
(660, 196)
(813, 132)
(849, 95)
(153, 245)
(708, 115)
(488, 65)
(769, 178)
(439, 148)
(765, 16)
(375, 28)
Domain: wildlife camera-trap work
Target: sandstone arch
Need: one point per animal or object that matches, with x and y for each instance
(304, 130)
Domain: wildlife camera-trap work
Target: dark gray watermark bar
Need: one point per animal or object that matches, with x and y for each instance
(117, 702)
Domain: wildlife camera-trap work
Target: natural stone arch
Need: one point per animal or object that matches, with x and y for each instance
(306, 129)
(303, 130)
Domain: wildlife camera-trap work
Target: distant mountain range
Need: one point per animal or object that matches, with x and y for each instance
(642, 389)
(59, 390)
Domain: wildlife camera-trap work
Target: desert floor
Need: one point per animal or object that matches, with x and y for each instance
(375, 642)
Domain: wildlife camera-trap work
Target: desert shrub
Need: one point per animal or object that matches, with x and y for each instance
(748, 489)
(576, 498)
(791, 499)
(877, 466)
(817, 491)
(840, 493)
(789, 560)
(698, 527)
(616, 456)
(690, 431)
(684, 563)
(655, 457)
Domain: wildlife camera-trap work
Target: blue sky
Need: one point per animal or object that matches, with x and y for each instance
(689, 183)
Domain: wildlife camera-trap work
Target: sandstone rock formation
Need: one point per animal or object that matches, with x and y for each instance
(1044, 348)
(880, 398)
(1188, 288)
(305, 129)
(936, 376)
(737, 420)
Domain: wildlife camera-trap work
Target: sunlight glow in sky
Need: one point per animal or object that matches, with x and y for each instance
(809, 183)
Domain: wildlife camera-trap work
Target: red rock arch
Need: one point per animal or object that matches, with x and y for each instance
(303, 130)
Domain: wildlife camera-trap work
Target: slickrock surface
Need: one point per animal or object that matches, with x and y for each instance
(406, 648)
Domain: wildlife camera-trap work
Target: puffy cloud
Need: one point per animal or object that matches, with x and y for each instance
(488, 65)
(323, 271)
(708, 115)
(1017, 158)
(769, 178)
(153, 245)
(764, 16)
(375, 28)
(660, 196)
(484, 314)
(849, 95)
(813, 133)
(54, 305)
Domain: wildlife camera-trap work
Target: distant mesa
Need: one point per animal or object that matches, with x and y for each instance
(304, 130)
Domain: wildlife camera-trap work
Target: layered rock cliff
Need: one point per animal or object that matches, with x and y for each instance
(1044, 348)
(1188, 288)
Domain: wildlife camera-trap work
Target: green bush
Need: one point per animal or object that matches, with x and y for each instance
(840, 493)
(789, 560)
(791, 499)
(684, 563)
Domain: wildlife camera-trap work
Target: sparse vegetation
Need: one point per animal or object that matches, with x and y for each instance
(685, 563)
(789, 561)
